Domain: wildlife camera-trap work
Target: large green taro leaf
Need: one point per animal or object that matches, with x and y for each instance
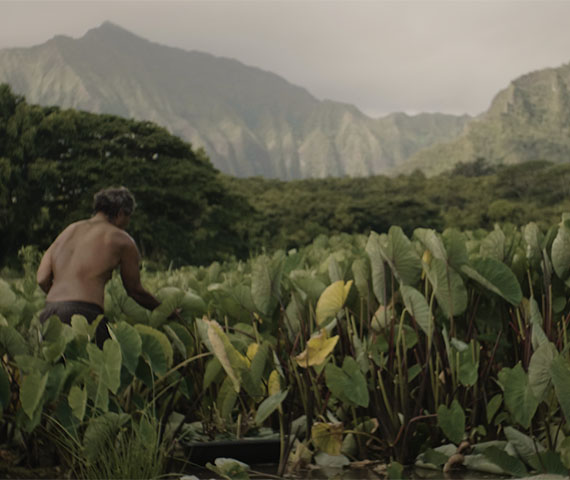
(32, 392)
(361, 272)
(77, 399)
(269, 405)
(266, 283)
(133, 312)
(226, 398)
(468, 368)
(560, 371)
(106, 364)
(524, 445)
(432, 242)
(170, 299)
(564, 449)
(212, 372)
(496, 277)
(452, 421)
(508, 463)
(99, 433)
(493, 245)
(536, 320)
(549, 462)
(417, 306)
(519, 397)
(347, 383)
(7, 296)
(58, 335)
(56, 379)
(456, 248)
(560, 253)
(131, 344)
(11, 342)
(252, 377)
(533, 239)
(294, 313)
(80, 327)
(193, 304)
(539, 369)
(156, 349)
(234, 301)
(379, 284)
(180, 337)
(307, 285)
(334, 268)
(493, 406)
(401, 256)
(448, 286)
(112, 361)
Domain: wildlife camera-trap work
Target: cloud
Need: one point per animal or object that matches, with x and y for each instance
(413, 56)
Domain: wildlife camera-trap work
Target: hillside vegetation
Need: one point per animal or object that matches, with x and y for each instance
(528, 120)
(52, 161)
(471, 196)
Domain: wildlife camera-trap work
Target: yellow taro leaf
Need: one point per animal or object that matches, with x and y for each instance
(299, 457)
(332, 300)
(382, 318)
(327, 437)
(426, 258)
(274, 383)
(317, 350)
(226, 353)
(252, 350)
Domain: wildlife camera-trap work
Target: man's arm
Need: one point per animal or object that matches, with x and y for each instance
(44, 275)
(130, 275)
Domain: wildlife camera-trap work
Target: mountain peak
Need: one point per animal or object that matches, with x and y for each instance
(109, 29)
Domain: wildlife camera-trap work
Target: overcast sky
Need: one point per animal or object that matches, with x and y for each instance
(382, 56)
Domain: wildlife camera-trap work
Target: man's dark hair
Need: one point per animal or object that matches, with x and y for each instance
(112, 200)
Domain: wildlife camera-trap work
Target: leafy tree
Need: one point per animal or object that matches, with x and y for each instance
(480, 167)
(53, 161)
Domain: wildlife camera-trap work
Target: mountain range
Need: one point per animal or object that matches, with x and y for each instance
(251, 122)
(528, 120)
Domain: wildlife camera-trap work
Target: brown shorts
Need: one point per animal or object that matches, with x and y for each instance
(65, 310)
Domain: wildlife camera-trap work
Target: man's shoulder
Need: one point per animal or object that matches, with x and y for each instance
(121, 237)
(69, 230)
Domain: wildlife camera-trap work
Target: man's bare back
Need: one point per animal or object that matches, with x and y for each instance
(78, 264)
(82, 260)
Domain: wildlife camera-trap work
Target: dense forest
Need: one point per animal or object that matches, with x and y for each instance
(52, 161)
(471, 196)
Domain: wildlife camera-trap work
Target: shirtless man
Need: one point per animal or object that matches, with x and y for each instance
(75, 268)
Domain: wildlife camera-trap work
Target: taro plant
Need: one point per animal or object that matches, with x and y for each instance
(444, 347)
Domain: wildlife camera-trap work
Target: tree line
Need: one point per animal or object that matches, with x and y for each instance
(472, 196)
